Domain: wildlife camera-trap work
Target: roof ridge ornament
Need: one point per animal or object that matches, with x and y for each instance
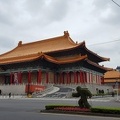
(66, 33)
(20, 43)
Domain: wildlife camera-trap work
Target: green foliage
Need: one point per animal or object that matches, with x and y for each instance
(51, 107)
(105, 110)
(84, 93)
(75, 95)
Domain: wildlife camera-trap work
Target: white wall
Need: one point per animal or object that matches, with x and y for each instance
(14, 89)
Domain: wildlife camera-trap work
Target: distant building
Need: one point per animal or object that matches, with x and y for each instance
(112, 78)
(118, 68)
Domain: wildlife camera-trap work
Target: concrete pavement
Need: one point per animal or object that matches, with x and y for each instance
(103, 99)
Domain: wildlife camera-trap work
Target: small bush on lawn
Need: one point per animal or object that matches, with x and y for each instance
(106, 110)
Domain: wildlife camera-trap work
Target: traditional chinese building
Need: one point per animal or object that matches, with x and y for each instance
(112, 78)
(57, 60)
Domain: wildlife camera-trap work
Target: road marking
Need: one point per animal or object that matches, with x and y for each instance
(84, 116)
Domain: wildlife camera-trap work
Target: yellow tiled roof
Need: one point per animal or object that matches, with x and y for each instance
(110, 80)
(44, 46)
(112, 74)
(30, 51)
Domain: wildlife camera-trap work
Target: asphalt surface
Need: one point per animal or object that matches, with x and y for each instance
(18, 108)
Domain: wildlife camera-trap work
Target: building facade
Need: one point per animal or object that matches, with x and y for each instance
(57, 60)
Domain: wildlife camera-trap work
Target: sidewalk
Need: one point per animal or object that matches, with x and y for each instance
(103, 99)
(107, 98)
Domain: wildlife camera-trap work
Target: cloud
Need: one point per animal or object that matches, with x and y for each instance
(45, 13)
(6, 44)
(94, 21)
(57, 10)
(107, 12)
(34, 7)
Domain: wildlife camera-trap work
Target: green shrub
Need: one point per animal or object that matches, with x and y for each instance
(105, 110)
(51, 107)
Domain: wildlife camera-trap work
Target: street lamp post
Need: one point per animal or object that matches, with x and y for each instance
(117, 86)
(117, 89)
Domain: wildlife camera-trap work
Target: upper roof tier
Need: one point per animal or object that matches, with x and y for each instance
(44, 46)
(60, 43)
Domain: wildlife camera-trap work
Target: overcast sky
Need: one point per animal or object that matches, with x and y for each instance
(95, 21)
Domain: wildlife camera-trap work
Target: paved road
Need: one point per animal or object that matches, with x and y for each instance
(29, 109)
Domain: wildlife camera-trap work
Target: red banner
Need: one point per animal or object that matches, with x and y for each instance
(34, 88)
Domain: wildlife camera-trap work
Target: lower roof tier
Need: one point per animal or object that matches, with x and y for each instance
(45, 61)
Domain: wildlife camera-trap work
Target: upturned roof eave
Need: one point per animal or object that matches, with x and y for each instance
(101, 59)
(41, 56)
(99, 66)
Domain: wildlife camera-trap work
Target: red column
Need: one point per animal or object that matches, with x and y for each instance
(39, 77)
(85, 77)
(91, 78)
(75, 77)
(88, 77)
(54, 78)
(61, 78)
(82, 73)
(29, 77)
(102, 80)
(81, 78)
(68, 78)
(99, 81)
(58, 78)
(15, 77)
(47, 77)
(96, 79)
(20, 77)
(11, 78)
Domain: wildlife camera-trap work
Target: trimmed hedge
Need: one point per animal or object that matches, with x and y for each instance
(106, 110)
(51, 107)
